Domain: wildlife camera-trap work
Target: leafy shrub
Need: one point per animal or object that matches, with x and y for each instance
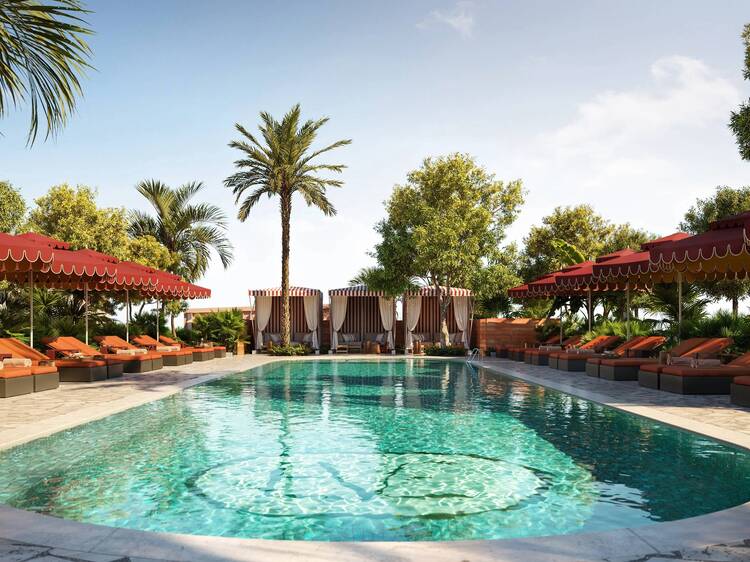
(144, 323)
(719, 325)
(225, 327)
(450, 351)
(617, 328)
(187, 335)
(289, 350)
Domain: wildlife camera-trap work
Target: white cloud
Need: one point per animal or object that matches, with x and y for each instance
(640, 155)
(460, 18)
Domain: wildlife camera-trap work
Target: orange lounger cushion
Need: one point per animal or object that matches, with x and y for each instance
(725, 371)
(43, 369)
(628, 362)
(14, 372)
(80, 363)
(744, 380)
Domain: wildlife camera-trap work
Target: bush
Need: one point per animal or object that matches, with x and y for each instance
(187, 335)
(144, 323)
(450, 351)
(289, 350)
(225, 327)
(617, 328)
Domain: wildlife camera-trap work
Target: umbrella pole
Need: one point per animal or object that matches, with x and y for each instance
(627, 311)
(561, 324)
(679, 306)
(157, 319)
(86, 309)
(31, 308)
(589, 310)
(127, 315)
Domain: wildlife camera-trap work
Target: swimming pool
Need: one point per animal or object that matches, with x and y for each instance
(396, 450)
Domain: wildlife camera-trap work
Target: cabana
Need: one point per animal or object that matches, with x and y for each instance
(422, 316)
(306, 315)
(362, 315)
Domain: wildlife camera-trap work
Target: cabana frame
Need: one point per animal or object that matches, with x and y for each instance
(362, 311)
(268, 311)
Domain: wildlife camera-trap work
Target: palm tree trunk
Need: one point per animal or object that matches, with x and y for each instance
(735, 306)
(445, 301)
(286, 213)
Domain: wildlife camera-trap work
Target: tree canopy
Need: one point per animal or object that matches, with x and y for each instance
(71, 214)
(12, 208)
(739, 121)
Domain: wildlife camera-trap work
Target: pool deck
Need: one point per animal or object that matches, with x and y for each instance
(721, 536)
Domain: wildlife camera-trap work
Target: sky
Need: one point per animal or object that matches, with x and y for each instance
(623, 105)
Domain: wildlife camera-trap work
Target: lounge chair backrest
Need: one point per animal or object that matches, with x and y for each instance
(18, 349)
(145, 340)
(684, 347)
(649, 343)
(607, 343)
(741, 361)
(627, 345)
(167, 340)
(710, 347)
(591, 344)
(552, 340)
(114, 342)
(571, 341)
(78, 345)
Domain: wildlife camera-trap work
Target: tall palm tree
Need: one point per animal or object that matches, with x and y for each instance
(281, 164)
(188, 231)
(42, 55)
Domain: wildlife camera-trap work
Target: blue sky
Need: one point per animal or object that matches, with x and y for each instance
(621, 104)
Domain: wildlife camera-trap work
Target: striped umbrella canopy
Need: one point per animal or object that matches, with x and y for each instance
(356, 291)
(437, 291)
(293, 292)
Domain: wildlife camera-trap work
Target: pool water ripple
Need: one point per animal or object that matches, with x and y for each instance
(363, 450)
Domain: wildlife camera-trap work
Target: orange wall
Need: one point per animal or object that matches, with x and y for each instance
(496, 332)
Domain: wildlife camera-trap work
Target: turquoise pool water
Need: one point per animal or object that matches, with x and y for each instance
(390, 450)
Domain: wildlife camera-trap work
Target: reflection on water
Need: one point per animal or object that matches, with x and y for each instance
(388, 450)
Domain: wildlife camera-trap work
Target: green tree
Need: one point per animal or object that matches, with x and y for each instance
(725, 202)
(189, 231)
(739, 121)
(12, 208)
(147, 250)
(71, 214)
(226, 327)
(445, 224)
(279, 164)
(42, 56)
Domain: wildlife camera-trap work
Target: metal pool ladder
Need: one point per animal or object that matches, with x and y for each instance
(473, 355)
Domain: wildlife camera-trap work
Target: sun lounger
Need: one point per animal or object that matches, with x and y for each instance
(740, 391)
(540, 355)
(650, 376)
(172, 355)
(516, 352)
(637, 347)
(15, 381)
(626, 368)
(704, 379)
(575, 360)
(44, 371)
(71, 352)
(136, 360)
(200, 353)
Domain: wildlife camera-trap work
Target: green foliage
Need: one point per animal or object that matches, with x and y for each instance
(225, 327)
(187, 335)
(445, 351)
(722, 324)
(145, 323)
(549, 246)
(281, 164)
(12, 208)
(491, 283)
(739, 121)
(72, 215)
(289, 350)
(189, 231)
(43, 54)
(620, 328)
(380, 279)
(147, 250)
(663, 299)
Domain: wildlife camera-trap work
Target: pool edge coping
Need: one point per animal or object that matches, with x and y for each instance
(724, 526)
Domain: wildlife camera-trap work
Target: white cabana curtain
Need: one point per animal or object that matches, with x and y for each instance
(312, 308)
(461, 312)
(338, 315)
(262, 316)
(386, 317)
(413, 310)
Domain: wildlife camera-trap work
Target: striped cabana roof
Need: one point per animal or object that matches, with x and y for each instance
(293, 292)
(356, 291)
(436, 292)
